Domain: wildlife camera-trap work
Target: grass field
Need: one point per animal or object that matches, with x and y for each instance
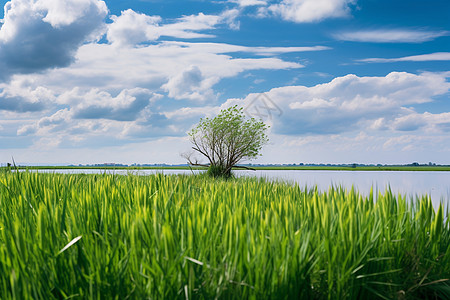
(191, 237)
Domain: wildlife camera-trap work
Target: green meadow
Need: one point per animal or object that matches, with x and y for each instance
(193, 237)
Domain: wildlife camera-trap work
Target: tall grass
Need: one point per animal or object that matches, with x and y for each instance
(191, 237)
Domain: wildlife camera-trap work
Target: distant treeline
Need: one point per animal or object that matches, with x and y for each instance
(311, 167)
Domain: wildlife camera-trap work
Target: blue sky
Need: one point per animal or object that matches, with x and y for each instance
(89, 81)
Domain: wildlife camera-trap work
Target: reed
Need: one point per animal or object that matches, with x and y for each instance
(191, 237)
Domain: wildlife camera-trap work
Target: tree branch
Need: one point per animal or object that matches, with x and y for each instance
(197, 164)
(244, 167)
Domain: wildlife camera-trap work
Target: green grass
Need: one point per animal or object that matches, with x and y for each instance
(191, 237)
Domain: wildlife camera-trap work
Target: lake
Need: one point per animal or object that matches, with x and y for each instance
(434, 183)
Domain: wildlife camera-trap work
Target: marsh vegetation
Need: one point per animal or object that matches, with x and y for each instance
(192, 237)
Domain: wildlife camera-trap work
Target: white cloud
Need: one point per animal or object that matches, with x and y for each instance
(51, 123)
(353, 103)
(390, 36)
(410, 122)
(263, 51)
(89, 126)
(123, 110)
(41, 34)
(97, 104)
(346, 104)
(325, 122)
(360, 147)
(306, 11)
(315, 103)
(17, 96)
(103, 65)
(438, 56)
(65, 12)
(94, 103)
(132, 28)
(191, 84)
(244, 3)
(193, 113)
(416, 144)
(427, 121)
(122, 92)
(229, 17)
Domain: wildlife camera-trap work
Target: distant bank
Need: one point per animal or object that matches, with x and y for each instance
(307, 168)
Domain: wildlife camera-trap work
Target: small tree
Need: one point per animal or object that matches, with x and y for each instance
(226, 140)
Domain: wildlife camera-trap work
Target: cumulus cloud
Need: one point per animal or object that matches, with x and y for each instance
(350, 104)
(62, 129)
(438, 56)
(165, 63)
(98, 118)
(97, 104)
(132, 28)
(19, 104)
(41, 34)
(20, 98)
(347, 113)
(410, 122)
(390, 36)
(65, 128)
(353, 103)
(93, 103)
(431, 122)
(182, 70)
(51, 123)
(83, 116)
(65, 12)
(306, 11)
(190, 84)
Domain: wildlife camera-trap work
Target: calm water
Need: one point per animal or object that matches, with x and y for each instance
(411, 184)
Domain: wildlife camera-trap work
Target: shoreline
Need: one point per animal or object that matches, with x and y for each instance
(261, 168)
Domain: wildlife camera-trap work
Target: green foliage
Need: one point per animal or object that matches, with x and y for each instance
(218, 171)
(178, 237)
(227, 139)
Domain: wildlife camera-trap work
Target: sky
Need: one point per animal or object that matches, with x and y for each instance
(338, 81)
